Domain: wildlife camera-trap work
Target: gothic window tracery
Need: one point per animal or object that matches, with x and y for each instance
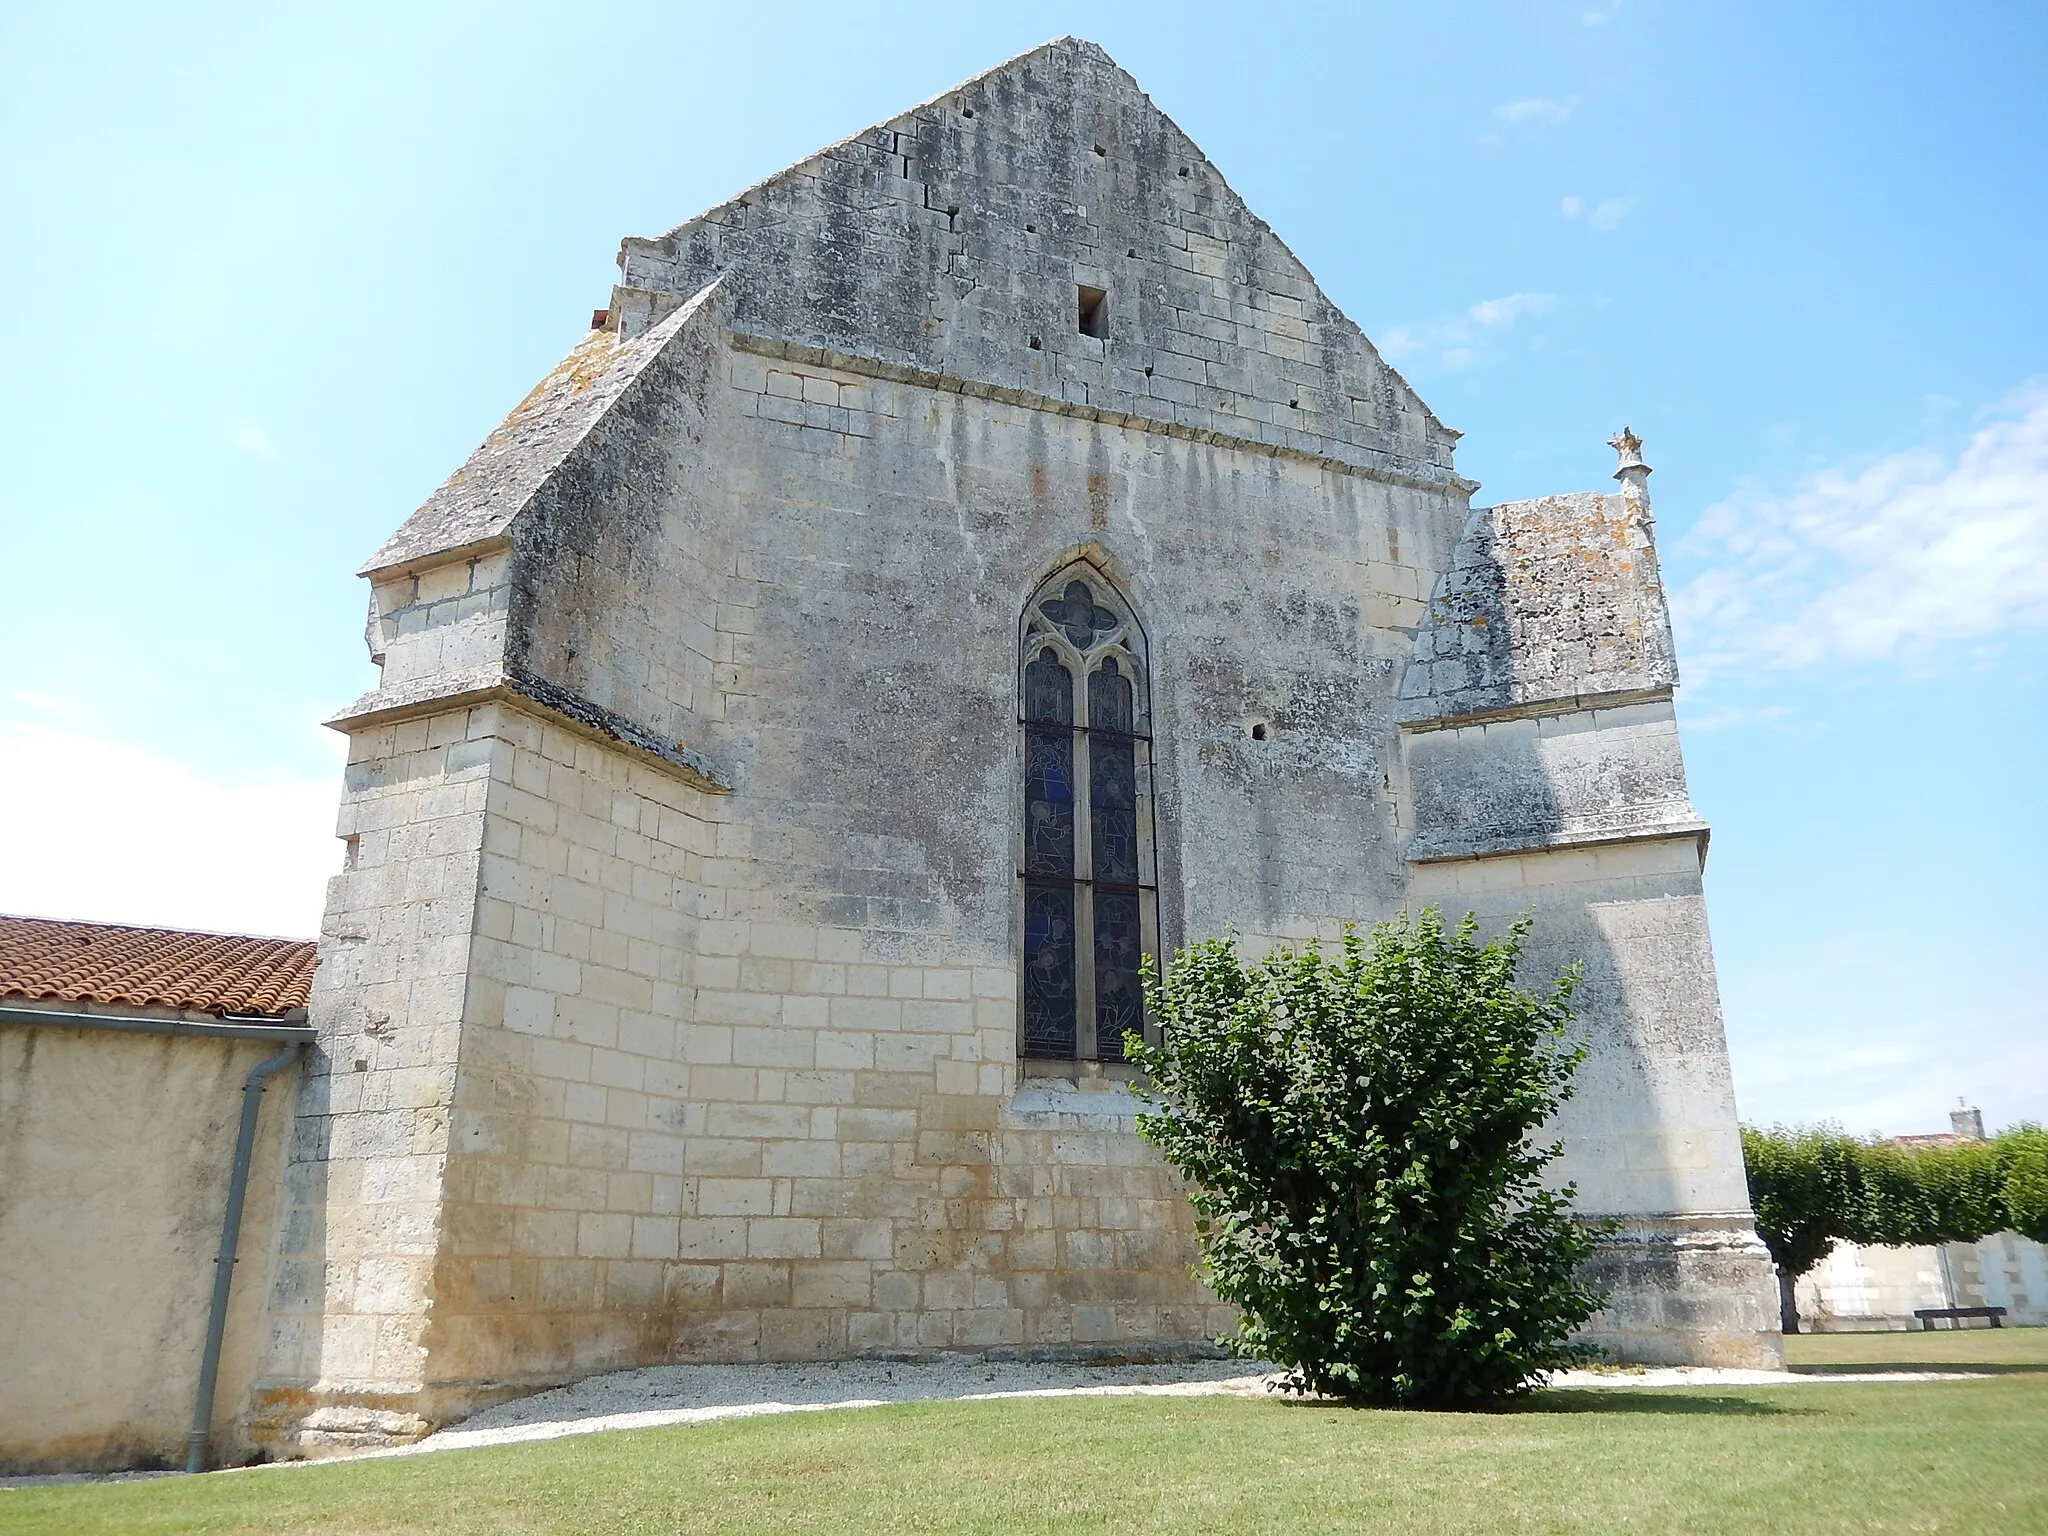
(1090, 890)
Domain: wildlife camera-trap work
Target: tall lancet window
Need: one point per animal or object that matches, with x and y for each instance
(1085, 855)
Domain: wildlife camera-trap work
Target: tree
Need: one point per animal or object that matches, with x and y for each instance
(1357, 1133)
(1805, 1186)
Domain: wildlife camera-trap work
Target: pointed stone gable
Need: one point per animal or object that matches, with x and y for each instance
(956, 241)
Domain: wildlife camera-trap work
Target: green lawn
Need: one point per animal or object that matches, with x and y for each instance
(1946, 1456)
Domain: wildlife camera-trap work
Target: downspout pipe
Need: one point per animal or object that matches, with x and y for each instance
(230, 1239)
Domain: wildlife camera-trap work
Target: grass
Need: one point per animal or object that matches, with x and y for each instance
(2000, 1351)
(1942, 1456)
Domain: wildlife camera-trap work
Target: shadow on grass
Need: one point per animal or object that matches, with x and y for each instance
(1621, 1400)
(1594, 1400)
(1944, 1367)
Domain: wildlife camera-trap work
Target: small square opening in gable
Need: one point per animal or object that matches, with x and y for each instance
(1093, 304)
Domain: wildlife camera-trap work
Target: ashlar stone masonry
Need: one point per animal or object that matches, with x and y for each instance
(966, 561)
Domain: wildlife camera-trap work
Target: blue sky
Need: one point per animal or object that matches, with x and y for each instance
(268, 273)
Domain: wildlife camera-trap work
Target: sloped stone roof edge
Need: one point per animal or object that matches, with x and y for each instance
(482, 500)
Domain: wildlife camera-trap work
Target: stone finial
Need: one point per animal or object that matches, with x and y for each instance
(1632, 472)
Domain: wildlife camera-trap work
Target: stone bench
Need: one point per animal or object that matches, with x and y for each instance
(1955, 1315)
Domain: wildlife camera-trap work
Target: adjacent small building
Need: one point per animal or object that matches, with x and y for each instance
(124, 1053)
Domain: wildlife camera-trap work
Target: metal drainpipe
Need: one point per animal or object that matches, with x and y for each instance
(224, 1264)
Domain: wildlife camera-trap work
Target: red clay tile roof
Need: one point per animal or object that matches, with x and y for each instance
(101, 963)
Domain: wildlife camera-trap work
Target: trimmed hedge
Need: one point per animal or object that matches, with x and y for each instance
(1813, 1187)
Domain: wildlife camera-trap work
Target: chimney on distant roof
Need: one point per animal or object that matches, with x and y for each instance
(1967, 1123)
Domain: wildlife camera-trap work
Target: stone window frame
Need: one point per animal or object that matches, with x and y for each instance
(1126, 643)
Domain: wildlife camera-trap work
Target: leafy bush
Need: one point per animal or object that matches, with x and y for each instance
(1357, 1132)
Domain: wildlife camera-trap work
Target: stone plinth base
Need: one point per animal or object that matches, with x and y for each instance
(1687, 1290)
(288, 1423)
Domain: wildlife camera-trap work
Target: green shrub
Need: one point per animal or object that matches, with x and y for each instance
(1356, 1130)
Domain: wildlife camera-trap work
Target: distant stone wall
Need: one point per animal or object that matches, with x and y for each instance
(115, 1151)
(1859, 1288)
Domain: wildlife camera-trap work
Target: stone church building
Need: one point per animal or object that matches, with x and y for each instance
(973, 558)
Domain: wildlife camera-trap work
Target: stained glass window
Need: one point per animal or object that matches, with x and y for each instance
(1089, 894)
(1119, 994)
(1048, 767)
(1049, 971)
(1112, 776)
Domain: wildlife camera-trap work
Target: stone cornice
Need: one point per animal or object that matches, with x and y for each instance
(1505, 844)
(1570, 704)
(533, 695)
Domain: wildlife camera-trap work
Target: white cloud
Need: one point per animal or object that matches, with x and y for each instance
(1462, 340)
(1603, 217)
(1511, 307)
(49, 704)
(1607, 216)
(1398, 342)
(1537, 110)
(103, 829)
(1603, 15)
(1887, 563)
(1884, 1039)
(253, 440)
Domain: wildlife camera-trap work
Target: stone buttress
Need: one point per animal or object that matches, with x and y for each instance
(1545, 776)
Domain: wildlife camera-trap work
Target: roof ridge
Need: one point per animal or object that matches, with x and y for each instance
(1080, 44)
(154, 928)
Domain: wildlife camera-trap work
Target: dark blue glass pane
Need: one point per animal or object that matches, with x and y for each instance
(1049, 977)
(1119, 996)
(1049, 803)
(1109, 698)
(1112, 779)
(1048, 690)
